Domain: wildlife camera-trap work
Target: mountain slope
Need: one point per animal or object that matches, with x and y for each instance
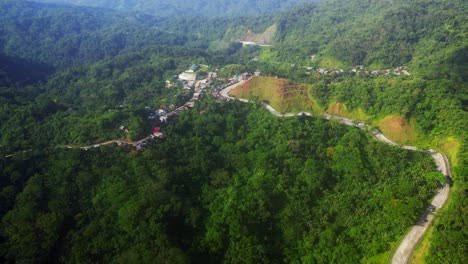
(229, 183)
(63, 36)
(191, 8)
(428, 36)
(380, 33)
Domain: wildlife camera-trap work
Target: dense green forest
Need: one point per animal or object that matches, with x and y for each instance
(61, 36)
(197, 8)
(379, 33)
(86, 103)
(58, 36)
(229, 183)
(429, 37)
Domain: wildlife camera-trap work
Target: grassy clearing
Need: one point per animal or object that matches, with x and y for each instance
(203, 68)
(261, 38)
(339, 109)
(281, 94)
(397, 129)
(378, 259)
(449, 146)
(330, 63)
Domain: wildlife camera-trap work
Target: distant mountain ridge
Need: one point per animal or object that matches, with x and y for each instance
(61, 36)
(205, 8)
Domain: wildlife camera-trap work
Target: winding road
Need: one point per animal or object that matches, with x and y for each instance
(411, 240)
(118, 142)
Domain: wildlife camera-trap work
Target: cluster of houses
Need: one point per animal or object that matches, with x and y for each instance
(215, 93)
(330, 72)
(155, 115)
(162, 114)
(188, 79)
(140, 146)
(359, 69)
(401, 70)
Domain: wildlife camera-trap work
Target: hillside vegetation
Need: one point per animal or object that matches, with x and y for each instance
(230, 183)
(195, 8)
(60, 36)
(425, 33)
(427, 36)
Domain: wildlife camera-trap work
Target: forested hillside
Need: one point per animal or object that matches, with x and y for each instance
(430, 38)
(229, 182)
(82, 104)
(56, 36)
(194, 8)
(62, 36)
(377, 33)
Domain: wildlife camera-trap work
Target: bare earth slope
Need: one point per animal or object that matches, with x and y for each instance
(282, 94)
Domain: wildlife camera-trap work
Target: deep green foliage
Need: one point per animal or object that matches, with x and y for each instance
(197, 8)
(435, 104)
(448, 243)
(84, 104)
(231, 183)
(63, 36)
(429, 37)
(15, 71)
(380, 33)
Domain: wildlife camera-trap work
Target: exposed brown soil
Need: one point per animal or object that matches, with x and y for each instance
(398, 129)
(336, 109)
(282, 94)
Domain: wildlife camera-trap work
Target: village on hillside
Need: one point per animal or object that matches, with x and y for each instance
(197, 85)
(161, 115)
(360, 70)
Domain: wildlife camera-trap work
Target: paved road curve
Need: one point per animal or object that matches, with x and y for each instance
(409, 243)
(411, 240)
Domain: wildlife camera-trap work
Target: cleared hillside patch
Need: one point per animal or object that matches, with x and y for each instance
(262, 38)
(340, 109)
(450, 146)
(398, 129)
(281, 94)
